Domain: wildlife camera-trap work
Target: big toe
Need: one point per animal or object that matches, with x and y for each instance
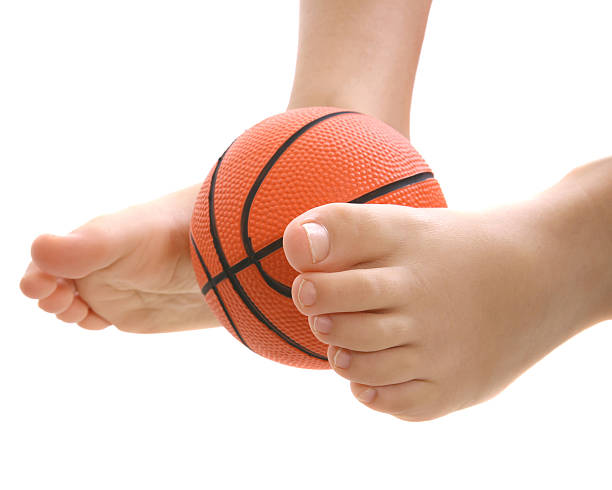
(337, 236)
(74, 255)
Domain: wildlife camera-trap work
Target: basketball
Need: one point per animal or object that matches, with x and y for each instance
(272, 173)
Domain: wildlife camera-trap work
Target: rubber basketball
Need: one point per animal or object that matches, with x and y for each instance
(275, 171)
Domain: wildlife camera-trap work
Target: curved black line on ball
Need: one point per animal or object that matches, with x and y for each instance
(234, 279)
(215, 290)
(244, 263)
(392, 186)
(273, 283)
(277, 244)
(246, 210)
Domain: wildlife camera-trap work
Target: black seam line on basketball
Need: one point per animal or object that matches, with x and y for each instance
(246, 209)
(392, 186)
(234, 280)
(206, 271)
(276, 244)
(244, 263)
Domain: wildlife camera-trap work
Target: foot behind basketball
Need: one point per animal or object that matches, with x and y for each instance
(130, 269)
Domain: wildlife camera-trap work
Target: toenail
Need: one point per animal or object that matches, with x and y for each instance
(307, 293)
(318, 241)
(342, 359)
(322, 324)
(367, 395)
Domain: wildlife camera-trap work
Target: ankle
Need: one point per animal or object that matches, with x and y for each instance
(575, 221)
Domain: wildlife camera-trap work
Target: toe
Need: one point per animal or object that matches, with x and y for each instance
(60, 299)
(93, 322)
(76, 312)
(315, 293)
(74, 255)
(414, 400)
(37, 284)
(363, 331)
(93, 246)
(389, 366)
(339, 235)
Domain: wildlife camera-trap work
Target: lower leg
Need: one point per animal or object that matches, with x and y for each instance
(137, 275)
(361, 56)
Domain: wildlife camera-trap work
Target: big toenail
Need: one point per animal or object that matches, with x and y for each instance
(318, 241)
(307, 293)
(342, 359)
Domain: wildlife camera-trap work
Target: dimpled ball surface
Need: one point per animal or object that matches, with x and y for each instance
(282, 167)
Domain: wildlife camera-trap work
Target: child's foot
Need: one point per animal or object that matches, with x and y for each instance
(428, 311)
(131, 269)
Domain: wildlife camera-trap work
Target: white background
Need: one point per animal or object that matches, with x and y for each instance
(107, 104)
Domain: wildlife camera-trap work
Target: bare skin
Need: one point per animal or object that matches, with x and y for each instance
(438, 310)
(131, 269)
(445, 308)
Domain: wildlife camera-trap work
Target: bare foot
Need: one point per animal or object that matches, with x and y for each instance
(428, 311)
(131, 269)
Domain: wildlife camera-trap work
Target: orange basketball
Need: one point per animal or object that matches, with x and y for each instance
(273, 172)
